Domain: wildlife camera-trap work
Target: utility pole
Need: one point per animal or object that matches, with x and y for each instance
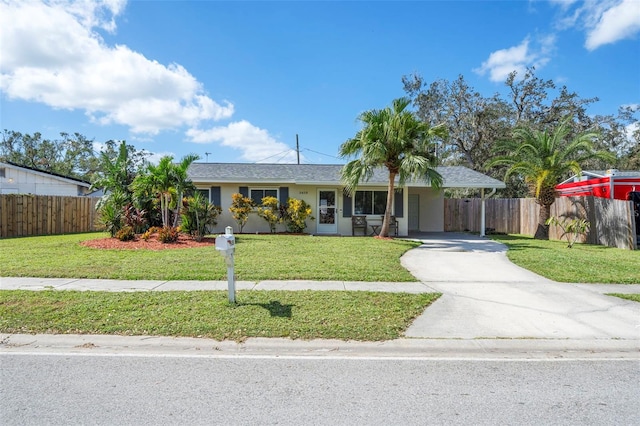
(207, 154)
(298, 148)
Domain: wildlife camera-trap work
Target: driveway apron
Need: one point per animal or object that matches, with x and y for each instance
(487, 296)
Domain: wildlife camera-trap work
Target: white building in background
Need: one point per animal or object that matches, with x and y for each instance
(16, 179)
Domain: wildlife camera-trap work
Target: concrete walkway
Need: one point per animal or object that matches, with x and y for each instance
(487, 296)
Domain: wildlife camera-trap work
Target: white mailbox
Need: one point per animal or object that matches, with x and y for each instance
(225, 243)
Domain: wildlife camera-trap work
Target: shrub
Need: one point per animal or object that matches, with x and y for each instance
(168, 234)
(149, 232)
(240, 208)
(198, 214)
(270, 211)
(125, 233)
(134, 218)
(111, 218)
(571, 228)
(296, 215)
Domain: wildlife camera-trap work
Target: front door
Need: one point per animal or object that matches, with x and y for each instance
(327, 218)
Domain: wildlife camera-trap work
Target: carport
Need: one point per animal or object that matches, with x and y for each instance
(425, 206)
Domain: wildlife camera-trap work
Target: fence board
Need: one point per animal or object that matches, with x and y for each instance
(26, 215)
(612, 222)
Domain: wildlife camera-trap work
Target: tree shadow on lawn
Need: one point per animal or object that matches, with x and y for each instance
(275, 308)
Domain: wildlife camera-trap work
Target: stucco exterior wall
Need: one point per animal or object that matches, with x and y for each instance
(255, 222)
(431, 208)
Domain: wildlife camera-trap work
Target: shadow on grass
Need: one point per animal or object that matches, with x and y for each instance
(275, 308)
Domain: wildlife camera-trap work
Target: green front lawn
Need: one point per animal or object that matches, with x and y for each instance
(583, 263)
(294, 314)
(258, 257)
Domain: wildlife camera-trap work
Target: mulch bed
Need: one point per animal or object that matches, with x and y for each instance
(184, 241)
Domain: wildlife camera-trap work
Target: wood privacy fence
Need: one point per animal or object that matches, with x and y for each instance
(612, 221)
(26, 215)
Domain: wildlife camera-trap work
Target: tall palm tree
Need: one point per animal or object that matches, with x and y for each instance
(543, 158)
(396, 139)
(181, 182)
(164, 180)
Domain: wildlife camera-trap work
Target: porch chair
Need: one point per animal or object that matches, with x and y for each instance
(393, 225)
(358, 222)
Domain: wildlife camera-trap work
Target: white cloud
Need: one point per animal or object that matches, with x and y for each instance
(52, 54)
(604, 21)
(517, 58)
(620, 22)
(255, 143)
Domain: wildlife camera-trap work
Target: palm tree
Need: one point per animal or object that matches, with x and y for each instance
(163, 181)
(543, 159)
(396, 139)
(181, 181)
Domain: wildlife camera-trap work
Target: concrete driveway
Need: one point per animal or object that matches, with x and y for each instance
(487, 296)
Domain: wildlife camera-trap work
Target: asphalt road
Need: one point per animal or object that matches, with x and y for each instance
(125, 389)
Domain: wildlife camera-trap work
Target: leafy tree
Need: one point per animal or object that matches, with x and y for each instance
(473, 121)
(476, 122)
(72, 155)
(240, 208)
(396, 139)
(543, 158)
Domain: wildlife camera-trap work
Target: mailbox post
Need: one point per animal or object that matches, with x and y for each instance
(226, 245)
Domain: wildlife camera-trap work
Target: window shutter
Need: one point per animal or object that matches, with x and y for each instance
(398, 203)
(216, 198)
(244, 191)
(284, 195)
(346, 205)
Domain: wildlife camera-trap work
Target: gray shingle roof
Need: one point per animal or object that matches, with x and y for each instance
(301, 174)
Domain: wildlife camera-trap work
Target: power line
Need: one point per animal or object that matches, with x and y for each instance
(283, 153)
(316, 152)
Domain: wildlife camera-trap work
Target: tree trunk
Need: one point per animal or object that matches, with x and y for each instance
(176, 217)
(542, 233)
(384, 232)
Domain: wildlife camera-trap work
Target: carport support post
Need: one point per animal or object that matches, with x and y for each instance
(482, 221)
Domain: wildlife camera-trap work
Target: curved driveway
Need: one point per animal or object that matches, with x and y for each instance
(487, 296)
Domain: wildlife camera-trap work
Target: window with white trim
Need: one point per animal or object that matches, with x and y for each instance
(204, 193)
(370, 202)
(257, 194)
(2, 172)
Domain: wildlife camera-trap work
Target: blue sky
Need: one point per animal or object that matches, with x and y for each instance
(239, 80)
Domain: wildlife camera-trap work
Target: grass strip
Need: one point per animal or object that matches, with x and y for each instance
(258, 257)
(584, 263)
(634, 297)
(365, 316)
